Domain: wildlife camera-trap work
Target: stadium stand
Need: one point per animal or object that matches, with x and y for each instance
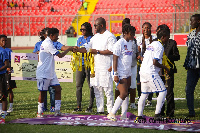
(15, 20)
(145, 10)
(34, 11)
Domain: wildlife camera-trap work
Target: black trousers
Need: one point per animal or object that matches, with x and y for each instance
(80, 78)
(169, 97)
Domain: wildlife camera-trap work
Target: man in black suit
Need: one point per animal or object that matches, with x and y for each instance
(172, 53)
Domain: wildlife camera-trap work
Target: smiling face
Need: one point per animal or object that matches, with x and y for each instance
(146, 29)
(194, 22)
(3, 41)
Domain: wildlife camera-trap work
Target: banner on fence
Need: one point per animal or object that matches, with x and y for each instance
(25, 64)
(180, 39)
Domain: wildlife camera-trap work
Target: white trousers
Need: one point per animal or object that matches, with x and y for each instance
(99, 95)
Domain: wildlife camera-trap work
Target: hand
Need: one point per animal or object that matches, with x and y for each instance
(167, 70)
(139, 57)
(110, 69)
(70, 48)
(116, 79)
(8, 69)
(75, 48)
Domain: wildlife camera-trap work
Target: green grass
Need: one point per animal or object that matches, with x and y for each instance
(26, 95)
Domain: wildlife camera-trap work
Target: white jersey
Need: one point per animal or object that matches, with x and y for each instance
(46, 64)
(147, 41)
(102, 63)
(124, 51)
(153, 51)
(135, 51)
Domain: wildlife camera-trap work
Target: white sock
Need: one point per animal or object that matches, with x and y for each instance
(125, 106)
(141, 104)
(57, 104)
(117, 105)
(11, 105)
(40, 107)
(0, 106)
(160, 101)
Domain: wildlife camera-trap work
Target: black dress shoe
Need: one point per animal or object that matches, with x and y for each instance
(170, 116)
(162, 114)
(190, 115)
(88, 110)
(77, 109)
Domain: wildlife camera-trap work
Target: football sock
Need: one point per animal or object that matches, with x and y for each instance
(57, 104)
(125, 106)
(160, 101)
(0, 106)
(141, 103)
(11, 105)
(117, 105)
(40, 108)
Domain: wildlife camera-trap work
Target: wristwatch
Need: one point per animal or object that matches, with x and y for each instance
(98, 52)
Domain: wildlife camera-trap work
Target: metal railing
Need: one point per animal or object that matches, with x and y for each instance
(178, 22)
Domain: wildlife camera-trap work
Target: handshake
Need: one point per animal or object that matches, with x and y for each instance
(73, 48)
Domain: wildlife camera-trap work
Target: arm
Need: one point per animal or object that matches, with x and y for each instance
(6, 65)
(104, 52)
(156, 63)
(143, 45)
(137, 52)
(37, 48)
(115, 61)
(63, 48)
(60, 55)
(81, 50)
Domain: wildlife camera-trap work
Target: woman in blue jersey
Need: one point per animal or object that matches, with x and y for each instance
(86, 30)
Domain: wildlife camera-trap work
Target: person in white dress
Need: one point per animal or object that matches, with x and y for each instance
(101, 45)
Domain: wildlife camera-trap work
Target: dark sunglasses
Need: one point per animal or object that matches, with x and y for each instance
(96, 25)
(82, 30)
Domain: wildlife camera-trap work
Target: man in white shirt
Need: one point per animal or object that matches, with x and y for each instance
(45, 73)
(101, 45)
(149, 77)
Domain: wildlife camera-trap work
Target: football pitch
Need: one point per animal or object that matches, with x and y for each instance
(26, 97)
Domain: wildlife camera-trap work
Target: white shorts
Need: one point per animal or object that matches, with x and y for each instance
(43, 84)
(133, 77)
(152, 83)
